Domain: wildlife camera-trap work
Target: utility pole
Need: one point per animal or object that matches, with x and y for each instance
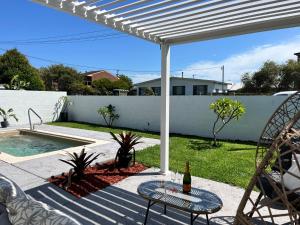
(223, 74)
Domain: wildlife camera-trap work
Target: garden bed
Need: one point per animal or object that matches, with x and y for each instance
(96, 178)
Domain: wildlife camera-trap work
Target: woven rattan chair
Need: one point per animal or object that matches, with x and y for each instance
(277, 173)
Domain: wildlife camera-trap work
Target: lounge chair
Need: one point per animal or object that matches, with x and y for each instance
(277, 174)
(17, 208)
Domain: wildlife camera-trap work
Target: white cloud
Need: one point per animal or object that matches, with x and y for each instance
(235, 65)
(144, 77)
(248, 61)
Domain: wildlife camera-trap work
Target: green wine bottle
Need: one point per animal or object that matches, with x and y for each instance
(187, 180)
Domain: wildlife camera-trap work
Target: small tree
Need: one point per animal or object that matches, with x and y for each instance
(226, 110)
(109, 114)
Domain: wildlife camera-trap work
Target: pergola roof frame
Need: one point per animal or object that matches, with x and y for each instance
(179, 21)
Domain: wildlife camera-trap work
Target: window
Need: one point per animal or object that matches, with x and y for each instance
(156, 90)
(178, 90)
(199, 89)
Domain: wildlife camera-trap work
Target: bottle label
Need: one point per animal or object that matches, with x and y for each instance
(187, 188)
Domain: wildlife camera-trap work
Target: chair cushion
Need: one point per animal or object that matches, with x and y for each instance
(291, 182)
(29, 211)
(9, 190)
(3, 216)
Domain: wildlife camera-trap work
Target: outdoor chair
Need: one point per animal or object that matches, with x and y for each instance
(277, 174)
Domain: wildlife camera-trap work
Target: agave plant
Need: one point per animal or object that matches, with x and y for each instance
(80, 162)
(127, 141)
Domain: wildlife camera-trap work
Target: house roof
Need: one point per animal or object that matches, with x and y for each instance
(100, 74)
(180, 78)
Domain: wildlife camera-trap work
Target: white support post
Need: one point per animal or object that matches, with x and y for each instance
(165, 105)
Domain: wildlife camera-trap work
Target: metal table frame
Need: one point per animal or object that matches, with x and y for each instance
(193, 214)
(151, 203)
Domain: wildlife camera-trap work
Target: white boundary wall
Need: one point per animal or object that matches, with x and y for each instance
(43, 102)
(188, 114)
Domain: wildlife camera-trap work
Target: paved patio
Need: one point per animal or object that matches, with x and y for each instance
(119, 203)
(32, 173)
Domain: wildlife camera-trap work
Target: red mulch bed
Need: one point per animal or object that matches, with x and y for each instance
(96, 178)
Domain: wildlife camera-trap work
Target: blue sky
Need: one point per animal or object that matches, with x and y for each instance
(23, 19)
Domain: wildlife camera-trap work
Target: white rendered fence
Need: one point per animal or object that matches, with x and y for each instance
(189, 115)
(43, 102)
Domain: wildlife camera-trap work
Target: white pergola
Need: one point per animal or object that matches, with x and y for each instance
(171, 22)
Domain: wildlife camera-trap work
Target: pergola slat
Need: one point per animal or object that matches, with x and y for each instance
(227, 31)
(239, 11)
(219, 9)
(230, 24)
(141, 9)
(167, 8)
(229, 20)
(178, 10)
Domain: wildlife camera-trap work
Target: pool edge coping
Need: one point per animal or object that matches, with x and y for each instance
(63, 152)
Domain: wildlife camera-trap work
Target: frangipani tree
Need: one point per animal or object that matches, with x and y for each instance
(226, 110)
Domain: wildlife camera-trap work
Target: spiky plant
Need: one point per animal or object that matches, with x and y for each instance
(7, 114)
(127, 141)
(80, 162)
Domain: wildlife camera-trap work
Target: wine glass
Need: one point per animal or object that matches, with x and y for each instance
(173, 176)
(178, 177)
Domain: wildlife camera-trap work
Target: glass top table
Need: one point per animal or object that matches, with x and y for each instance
(198, 201)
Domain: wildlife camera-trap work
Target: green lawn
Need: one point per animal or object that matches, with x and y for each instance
(232, 163)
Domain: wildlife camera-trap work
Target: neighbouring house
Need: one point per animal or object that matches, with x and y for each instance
(183, 86)
(91, 76)
(298, 56)
(120, 92)
(234, 87)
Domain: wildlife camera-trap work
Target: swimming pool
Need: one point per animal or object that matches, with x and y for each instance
(27, 143)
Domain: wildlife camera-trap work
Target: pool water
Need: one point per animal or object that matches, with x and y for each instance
(28, 145)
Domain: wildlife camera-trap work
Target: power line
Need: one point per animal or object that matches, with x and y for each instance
(59, 36)
(67, 40)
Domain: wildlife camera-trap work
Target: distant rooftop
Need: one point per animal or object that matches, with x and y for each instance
(100, 74)
(180, 78)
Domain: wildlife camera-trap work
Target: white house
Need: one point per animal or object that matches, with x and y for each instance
(183, 86)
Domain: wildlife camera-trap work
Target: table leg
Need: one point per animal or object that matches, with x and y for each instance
(193, 218)
(207, 220)
(147, 212)
(165, 209)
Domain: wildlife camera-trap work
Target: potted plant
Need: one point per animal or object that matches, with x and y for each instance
(127, 141)
(65, 103)
(6, 115)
